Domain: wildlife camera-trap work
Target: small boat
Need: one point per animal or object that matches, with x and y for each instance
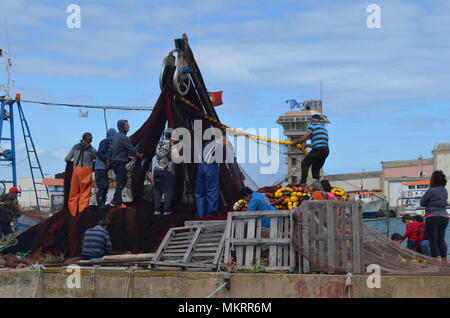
(370, 209)
(370, 204)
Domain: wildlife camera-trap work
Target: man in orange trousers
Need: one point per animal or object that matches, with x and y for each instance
(83, 155)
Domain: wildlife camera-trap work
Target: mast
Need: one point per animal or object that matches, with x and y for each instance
(8, 65)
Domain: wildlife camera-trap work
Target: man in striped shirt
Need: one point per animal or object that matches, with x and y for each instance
(319, 153)
(96, 242)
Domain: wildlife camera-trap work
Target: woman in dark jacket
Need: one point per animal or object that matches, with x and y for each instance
(435, 203)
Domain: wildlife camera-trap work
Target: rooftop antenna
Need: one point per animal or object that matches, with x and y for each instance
(421, 174)
(362, 182)
(321, 91)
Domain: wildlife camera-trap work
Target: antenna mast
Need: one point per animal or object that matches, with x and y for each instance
(321, 91)
(8, 65)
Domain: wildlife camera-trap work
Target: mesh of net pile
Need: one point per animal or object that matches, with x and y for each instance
(377, 249)
(137, 230)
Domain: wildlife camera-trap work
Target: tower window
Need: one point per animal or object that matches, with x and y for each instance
(294, 161)
(294, 179)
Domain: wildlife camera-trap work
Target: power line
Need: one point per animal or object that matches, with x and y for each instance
(103, 107)
(142, 108)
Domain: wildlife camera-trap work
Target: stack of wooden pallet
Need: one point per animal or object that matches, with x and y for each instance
(196, 246)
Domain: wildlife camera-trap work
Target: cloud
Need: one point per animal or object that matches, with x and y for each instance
(421, 122)
(20, 148)
(296, 47)
(60, 153)
(258, 53)
(51, 67)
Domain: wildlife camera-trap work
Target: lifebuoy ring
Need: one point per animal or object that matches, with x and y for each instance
(410, 193)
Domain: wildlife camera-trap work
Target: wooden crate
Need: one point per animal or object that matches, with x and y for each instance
(244, 238)
(329, 235)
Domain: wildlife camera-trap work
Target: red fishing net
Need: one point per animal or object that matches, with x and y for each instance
(136, 229)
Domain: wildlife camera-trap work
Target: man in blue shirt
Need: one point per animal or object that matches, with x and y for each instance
(257, 202)
(320, 151)
(96, 242)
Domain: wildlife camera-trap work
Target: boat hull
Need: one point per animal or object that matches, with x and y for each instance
(370, 208)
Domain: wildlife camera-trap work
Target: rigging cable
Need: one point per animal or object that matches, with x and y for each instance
(103, 107)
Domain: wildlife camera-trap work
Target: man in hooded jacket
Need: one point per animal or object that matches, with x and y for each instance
(83, 155)
(102, 163)
(122, 151)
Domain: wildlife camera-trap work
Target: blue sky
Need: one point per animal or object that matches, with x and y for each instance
(385, 90)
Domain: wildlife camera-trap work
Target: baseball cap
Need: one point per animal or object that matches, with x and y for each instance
(316, 117)
(13, 190)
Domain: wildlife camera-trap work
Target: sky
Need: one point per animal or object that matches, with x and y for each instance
(385, 90)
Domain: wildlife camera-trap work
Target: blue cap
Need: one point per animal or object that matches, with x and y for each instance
(316, 117)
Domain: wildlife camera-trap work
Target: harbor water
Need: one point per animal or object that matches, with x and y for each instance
(395, 226)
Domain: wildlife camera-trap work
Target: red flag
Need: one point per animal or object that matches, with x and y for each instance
(216, 98)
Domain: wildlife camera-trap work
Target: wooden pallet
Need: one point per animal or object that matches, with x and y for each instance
(244, 238)
(330, 243)
(196, 246)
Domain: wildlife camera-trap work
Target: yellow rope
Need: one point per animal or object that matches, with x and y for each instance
(238, 132)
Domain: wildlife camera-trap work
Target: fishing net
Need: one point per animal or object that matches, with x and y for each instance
(353, 243)
(136, 229)
(397, 259)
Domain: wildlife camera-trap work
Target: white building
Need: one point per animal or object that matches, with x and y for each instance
(393, 174)
(353, 182)
(441, 156)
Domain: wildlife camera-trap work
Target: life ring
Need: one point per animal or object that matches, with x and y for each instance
(410, 193)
